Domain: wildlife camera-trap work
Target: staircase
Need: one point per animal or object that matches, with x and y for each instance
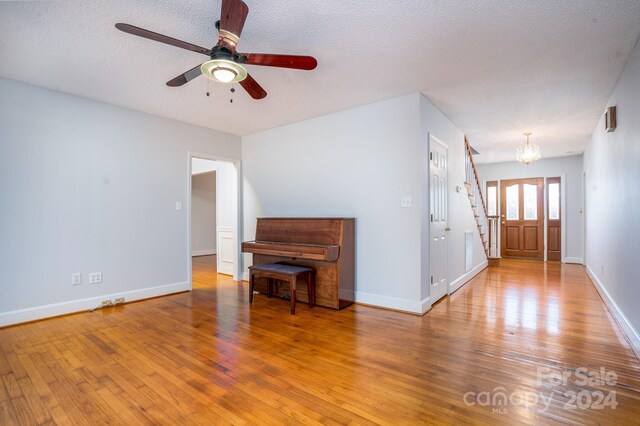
(487, 225)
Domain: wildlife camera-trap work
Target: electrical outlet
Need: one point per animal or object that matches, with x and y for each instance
(405, 202)
(76, 278)
(95, 277)
(106, 303)
(118, 301)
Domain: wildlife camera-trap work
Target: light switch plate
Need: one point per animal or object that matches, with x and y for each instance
(178, 205)
(405, 202)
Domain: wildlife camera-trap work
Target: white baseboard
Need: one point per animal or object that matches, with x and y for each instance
(413, 306)
(405, 305)
(206, 252)
(425, 305)
(577, 260)
(78, 305)
(620, 317)
(456, 284)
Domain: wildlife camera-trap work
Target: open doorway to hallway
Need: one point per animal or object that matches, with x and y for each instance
(203, 222)
(213, 222)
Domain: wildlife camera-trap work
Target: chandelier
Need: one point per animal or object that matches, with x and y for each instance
(528, 152)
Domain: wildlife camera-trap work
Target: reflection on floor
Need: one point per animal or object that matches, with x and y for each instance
(507, 348)
(204, 271)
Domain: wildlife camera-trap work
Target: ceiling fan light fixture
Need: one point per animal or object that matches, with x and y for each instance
(528, 152)
(223, 71)
(225, 75)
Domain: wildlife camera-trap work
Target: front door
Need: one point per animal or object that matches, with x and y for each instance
(438, 206)
(522, 218)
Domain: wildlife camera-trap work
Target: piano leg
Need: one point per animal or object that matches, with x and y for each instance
(269, 287)
(311, 288)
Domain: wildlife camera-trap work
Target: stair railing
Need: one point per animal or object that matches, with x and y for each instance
(474, 190)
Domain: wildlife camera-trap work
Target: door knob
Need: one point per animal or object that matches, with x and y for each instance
(504, 223)
(447, 229)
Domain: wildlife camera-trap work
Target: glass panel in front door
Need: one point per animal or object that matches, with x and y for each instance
(530, 201)
(513, 205)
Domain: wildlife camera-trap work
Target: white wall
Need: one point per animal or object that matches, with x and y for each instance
(359, 163)
(355, 163)
(460, 215)
(85, 187)
(612, 167)
(203, 213)
(570, 168)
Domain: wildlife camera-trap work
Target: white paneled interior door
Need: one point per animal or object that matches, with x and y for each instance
(226, 251)
(438, 203)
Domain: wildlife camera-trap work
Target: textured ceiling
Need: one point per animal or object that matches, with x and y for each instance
(496, 68)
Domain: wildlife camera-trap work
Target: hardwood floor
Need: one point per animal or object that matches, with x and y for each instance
(208, 357)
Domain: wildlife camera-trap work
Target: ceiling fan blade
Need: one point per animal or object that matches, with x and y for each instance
(234, 13)
(141, 32)
(253, 88)
(283, 61)
(185, 78)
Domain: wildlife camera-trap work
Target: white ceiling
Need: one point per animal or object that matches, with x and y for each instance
(496, 68)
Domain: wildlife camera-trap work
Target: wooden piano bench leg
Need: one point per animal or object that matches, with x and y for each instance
(292, 290)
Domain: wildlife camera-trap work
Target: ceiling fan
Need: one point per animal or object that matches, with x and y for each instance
(226, 65)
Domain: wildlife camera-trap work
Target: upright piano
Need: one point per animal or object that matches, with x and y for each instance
(325, 244)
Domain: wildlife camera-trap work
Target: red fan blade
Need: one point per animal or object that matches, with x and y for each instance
(253, 88)
(234, 13)
(185, 78)
(283, 61)
(141, 32)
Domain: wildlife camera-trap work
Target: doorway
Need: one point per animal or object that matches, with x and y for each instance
(522, 218)
(203, 222)
(213, 231)
(438, 202)
(203, 207)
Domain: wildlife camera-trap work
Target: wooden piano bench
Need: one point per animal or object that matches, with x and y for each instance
(289, 273)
